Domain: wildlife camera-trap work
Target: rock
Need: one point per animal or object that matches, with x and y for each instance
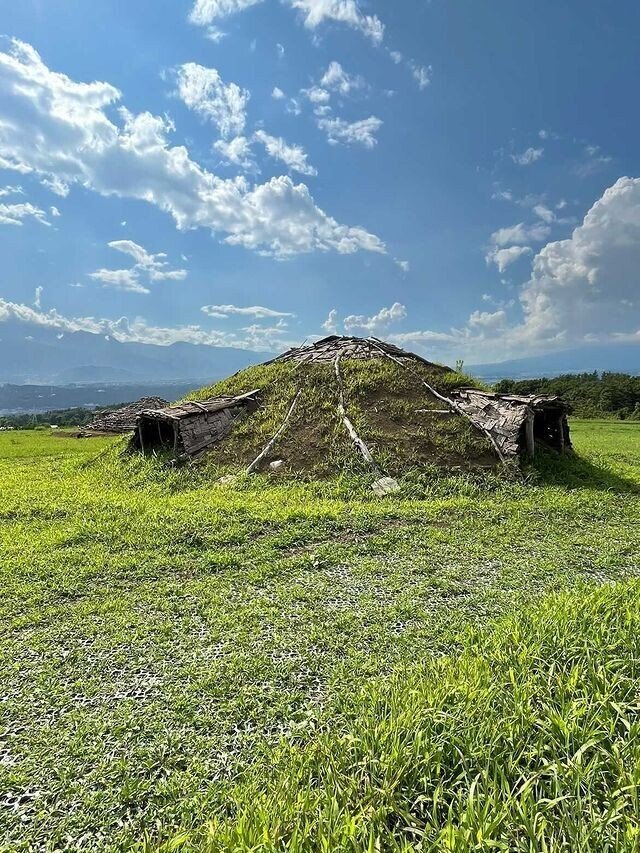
(385, 486)
(276, 465)
(228, 478)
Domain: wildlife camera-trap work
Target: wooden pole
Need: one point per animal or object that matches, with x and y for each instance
(529, 431)
(561, 432)
(355, 438)
(256, 462)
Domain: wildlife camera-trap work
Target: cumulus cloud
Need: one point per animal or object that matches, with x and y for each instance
(313, 12)
(237, 151)
(37, 299)
(582, 286)
(503, 258)
(488, 319)
(521, 234)
(544, 213)
(203, 90)
(378, 322)
(338, 80)
(206, 11)
(11, 190)
(153, 267)
(340, 132)
(526, 158)
(58, 130)
(15, 214)
(293, 156)
(257, 311)
(421, 74)
(139, 331)
(582, 289)
(277, 94)
(330, 325)
(347, 12)
(120, 280)
(316, 95)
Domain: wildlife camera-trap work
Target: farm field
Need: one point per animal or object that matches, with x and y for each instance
(263, 666)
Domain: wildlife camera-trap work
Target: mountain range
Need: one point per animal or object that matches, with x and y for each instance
(613, 358)
(37, 355)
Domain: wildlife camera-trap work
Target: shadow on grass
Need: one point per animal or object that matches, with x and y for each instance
(576, 472)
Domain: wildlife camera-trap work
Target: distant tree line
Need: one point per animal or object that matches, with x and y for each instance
(592, 395)
(59, 417)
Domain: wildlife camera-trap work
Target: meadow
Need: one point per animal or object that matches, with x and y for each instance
(267, 665)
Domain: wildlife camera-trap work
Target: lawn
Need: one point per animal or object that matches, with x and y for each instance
(301, 666)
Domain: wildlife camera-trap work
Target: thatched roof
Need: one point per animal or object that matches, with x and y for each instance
(123, 419)
(191, 409)
(504, 417)
(343, 346)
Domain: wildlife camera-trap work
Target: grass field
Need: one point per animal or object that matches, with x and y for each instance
(268, 666)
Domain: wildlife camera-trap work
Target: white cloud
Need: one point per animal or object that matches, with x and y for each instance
(405, 266)
(526, 158)
(15, 214)
(53, 210)
(314, 12)
(378, 322)
(37, 299)
(206, 11)
(316, 95)
(58, 129)
(396, 56)
(503, 258)
(281, 50)
(582, 289)
(356, 133)
(120, 280)
(261, 338)
(257, 311)
(521, 234)
(277, 94)
(579, 286)
(421, 74)
(203, 91)
(544, 213)
(4, 191)
(237, 151)
(338, 80)
(137, 252)
(488, 319)
(293, 156)
(215, 35)
(347, 12)
(147, 264)
(331, 323)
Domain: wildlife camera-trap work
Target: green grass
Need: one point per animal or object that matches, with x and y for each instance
(302, 666)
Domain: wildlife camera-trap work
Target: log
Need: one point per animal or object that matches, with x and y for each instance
(256, 462)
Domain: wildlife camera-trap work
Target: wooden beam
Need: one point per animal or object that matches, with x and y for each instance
(529, 432)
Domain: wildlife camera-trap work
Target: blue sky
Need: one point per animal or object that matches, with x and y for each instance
(456, 176)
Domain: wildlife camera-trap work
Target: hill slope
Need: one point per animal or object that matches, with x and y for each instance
(401, 423)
